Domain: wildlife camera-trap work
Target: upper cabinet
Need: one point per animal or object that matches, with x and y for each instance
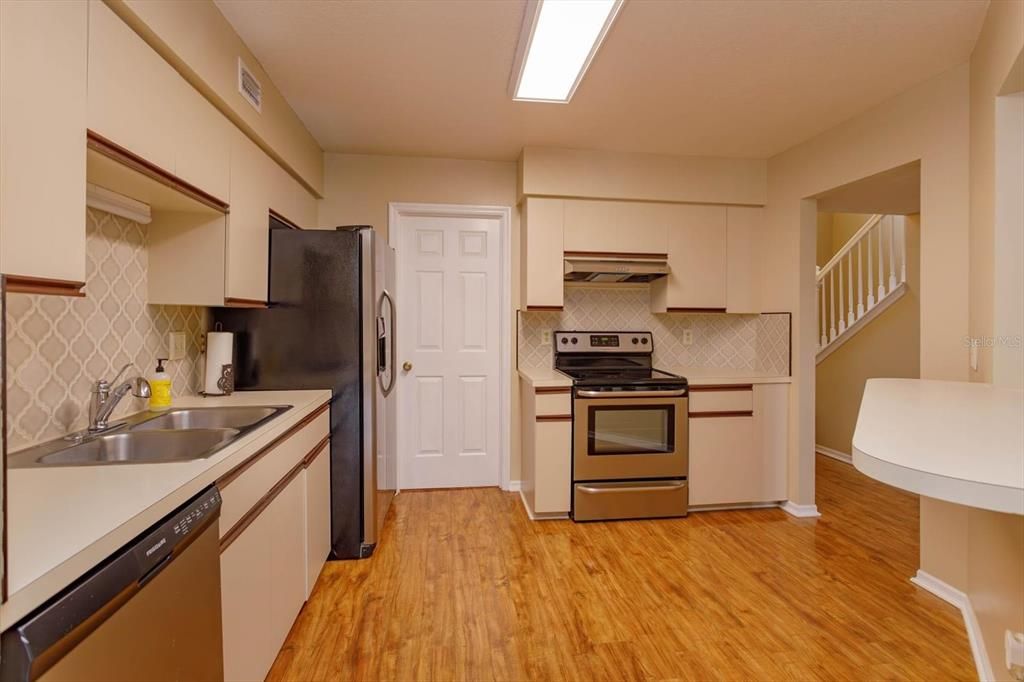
(743, 229)
(248, 242)
(140, 103)
(43, 54)
(618, 228)
(697, 255)
(542, 253)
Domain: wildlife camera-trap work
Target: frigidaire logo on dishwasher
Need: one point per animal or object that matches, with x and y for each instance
(163, 541)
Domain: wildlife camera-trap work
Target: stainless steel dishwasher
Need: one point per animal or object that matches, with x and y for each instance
(149, 612)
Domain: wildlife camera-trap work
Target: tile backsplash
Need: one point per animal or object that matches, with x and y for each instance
(57, 347)
(756, 343)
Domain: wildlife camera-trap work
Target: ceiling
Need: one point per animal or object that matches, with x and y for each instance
(729, 78)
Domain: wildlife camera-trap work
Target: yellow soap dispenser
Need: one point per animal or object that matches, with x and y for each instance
(160, 387)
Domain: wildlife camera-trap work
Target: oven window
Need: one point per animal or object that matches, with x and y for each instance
(621, 430)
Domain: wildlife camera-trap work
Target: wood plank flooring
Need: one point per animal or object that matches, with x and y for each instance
(465, 587)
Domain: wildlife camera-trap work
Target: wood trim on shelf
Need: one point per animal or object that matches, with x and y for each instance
(284, 219)
(19, 284)
(315, 453)
(244, 303)
(554, 417)
(231, 475)
(125, 157)
(733, 413)
(545, 308)
(615, 254)
(695, 310)
(552, 390)
(722, 387)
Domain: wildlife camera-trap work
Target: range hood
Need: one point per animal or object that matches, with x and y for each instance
(618, 269)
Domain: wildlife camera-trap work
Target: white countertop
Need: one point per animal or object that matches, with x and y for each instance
(550, 378)
(62, 521)
(953, 441)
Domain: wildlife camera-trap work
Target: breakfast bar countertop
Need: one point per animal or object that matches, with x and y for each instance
(64, 520)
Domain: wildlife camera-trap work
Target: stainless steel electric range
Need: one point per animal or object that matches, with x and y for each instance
(630, 437)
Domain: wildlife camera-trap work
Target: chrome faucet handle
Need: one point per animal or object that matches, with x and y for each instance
(141, 388)
(119, 373)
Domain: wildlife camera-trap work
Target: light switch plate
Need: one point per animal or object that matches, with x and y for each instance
(545, 338)
(176, 345)
(687, 337)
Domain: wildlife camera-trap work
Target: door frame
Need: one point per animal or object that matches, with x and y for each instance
(399, 210)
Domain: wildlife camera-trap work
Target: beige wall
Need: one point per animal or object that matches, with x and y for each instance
(888, 346)
(200, 43)
(834, 230)
(545, 171)
(358, 189)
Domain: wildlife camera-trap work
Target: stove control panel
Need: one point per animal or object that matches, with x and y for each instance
(604, 342)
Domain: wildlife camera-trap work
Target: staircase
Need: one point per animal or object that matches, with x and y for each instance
(849, 295)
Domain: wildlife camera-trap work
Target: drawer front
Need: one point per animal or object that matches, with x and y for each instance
(629, 500)
(553, 404)
(242, 493)
(731, 399)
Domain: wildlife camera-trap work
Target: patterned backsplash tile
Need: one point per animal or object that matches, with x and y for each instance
(57, 347)
(758, 343)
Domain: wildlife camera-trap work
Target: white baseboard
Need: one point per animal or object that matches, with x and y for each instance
(950, 594)
(801, 511)
(514, 486)
(834, 454)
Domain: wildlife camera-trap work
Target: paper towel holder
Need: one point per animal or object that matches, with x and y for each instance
(226, 379)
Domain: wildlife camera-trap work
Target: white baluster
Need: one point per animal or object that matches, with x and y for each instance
(903, 248)
(823, 321)
(892, 256)
(871, 274)
(860, 279)
(849, 287)
(832, 304)
(881, 272)
(842, 314)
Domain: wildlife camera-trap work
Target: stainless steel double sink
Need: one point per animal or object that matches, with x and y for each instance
(177, 435)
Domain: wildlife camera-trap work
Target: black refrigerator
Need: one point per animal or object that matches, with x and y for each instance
(330, 324)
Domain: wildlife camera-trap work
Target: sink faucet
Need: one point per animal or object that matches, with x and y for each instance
(105, 399)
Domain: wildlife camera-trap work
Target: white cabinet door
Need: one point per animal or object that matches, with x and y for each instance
(725, 466)
(616, 227)
(318, 516)
(697, 256)
(743, 229)
(42, 139)
(248, 244)
(132, 90)
(541, 253)
(246, 585)
(203, 150)
(287, 519)
(553, 466)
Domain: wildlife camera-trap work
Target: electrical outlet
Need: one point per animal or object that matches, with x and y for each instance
(687, 337)
(176, 345)
(545, 338)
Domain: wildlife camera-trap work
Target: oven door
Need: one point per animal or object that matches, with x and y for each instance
(623, 435)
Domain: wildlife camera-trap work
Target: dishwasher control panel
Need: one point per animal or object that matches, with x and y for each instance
(159, 544)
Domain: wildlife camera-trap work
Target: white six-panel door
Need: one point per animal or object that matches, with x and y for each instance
(449, 316)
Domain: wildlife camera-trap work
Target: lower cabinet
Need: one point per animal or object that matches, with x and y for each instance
(275, 537)
(738, 456)
(546, 450)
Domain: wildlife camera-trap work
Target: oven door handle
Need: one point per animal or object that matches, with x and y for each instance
(675, 393)
(673, 485)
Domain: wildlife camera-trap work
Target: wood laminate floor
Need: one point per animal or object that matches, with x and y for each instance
(465, 587)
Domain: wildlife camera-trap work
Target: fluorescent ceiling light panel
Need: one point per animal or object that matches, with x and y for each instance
(559, 40)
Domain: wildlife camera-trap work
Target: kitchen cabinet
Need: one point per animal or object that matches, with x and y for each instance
(617, 227)
(546, 450)
(697, 255)
(738, 455)
(542, 253)
(275, 517)
(742, 231)
(43, 57)
(248, 241)
(203, 147)
(318, 515)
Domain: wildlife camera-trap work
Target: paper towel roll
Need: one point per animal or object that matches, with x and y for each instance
(219, 352)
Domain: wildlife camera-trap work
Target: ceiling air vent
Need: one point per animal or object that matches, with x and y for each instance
(250, 86)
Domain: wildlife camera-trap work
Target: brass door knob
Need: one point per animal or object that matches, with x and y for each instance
(407, 366)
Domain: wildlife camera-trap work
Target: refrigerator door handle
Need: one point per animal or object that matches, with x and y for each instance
(388, 335)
